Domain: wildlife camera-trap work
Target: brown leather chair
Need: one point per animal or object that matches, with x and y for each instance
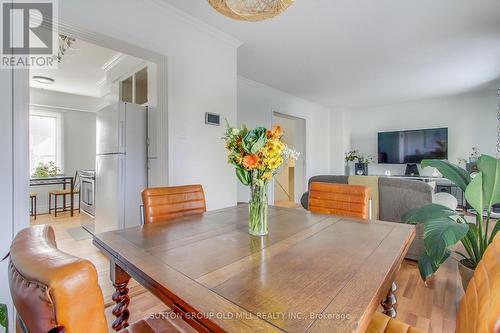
(340, 199)
(167, 203)
(480, 307)
(56, 292)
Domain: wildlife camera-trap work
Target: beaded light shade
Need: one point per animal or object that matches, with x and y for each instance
(250, 10)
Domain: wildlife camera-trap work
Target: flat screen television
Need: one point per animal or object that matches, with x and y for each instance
(413, 146)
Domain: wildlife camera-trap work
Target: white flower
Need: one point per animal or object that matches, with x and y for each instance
(235, 131)
(290, 153)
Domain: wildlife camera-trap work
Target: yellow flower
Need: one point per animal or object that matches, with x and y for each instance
(275, 163)
(267, 175)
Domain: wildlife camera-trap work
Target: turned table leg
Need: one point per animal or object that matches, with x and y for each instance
(120, 280)
(390, 302)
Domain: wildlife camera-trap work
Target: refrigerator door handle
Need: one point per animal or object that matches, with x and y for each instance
(121, 173)
(122, 136)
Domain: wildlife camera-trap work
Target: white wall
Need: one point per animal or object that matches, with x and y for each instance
(340, 139)
(256, 103)
(79, 133)
(41, 98)
(470, 118)
(201, 78)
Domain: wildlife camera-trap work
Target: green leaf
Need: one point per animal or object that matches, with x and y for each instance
(490, 169)
(427, 212)
(494, 231)
(427, 266)
(255, 140)
(440, 234)
(456, 174)
(474, 193)
(244, 176)
(4, 317)
(472, 246)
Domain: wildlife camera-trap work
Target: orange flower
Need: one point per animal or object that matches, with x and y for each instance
(276, 132)
(251, 161)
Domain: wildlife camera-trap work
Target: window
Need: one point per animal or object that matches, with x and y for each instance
(45, 139)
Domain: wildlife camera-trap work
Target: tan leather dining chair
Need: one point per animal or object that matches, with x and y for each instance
(56, 292)
(479, 310)
(167, 203)
(340, 199)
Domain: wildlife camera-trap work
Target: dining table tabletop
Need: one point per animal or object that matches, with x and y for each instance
(311, 273)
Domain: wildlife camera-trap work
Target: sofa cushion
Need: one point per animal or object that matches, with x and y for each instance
(399, 195)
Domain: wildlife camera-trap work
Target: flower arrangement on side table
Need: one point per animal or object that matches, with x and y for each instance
(257, 155)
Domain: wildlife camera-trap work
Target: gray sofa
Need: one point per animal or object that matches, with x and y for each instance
(396, 196)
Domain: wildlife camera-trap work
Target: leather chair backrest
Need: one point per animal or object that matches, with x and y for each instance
(339, 199)
(480, 307)
(51, 288)
(166, 203)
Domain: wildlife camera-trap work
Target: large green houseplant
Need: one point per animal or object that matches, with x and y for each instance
(4, 318)
(443, 228)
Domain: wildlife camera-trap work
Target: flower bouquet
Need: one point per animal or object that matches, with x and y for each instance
(257, 156)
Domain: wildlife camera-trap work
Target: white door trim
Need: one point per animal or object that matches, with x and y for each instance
(274, 115)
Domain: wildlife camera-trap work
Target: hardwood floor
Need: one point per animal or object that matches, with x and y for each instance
(286, 204)
(430, 308)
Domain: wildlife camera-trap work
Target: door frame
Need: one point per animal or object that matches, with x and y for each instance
(20, 109)
(303, 154)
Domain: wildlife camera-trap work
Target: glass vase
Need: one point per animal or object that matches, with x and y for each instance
(257, 211)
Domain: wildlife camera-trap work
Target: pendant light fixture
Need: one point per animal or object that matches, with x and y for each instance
(250, 10)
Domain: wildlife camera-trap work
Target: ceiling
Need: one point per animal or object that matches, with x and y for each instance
(80, 72)
(345, 53)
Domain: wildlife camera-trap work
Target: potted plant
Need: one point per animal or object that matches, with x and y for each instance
(257, 156)
(443, 227)
(350, 156)
(4, 317)
(44, 170)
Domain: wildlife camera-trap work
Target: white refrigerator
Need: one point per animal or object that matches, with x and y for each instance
(121, 165)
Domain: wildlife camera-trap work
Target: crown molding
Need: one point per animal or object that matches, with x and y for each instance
(52, 108)
(113, 61)
(102, 81)
(197, 23)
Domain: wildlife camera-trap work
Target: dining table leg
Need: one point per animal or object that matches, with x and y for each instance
(390, 302)
(120, 280)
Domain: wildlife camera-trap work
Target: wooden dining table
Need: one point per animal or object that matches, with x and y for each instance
(311, 273)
